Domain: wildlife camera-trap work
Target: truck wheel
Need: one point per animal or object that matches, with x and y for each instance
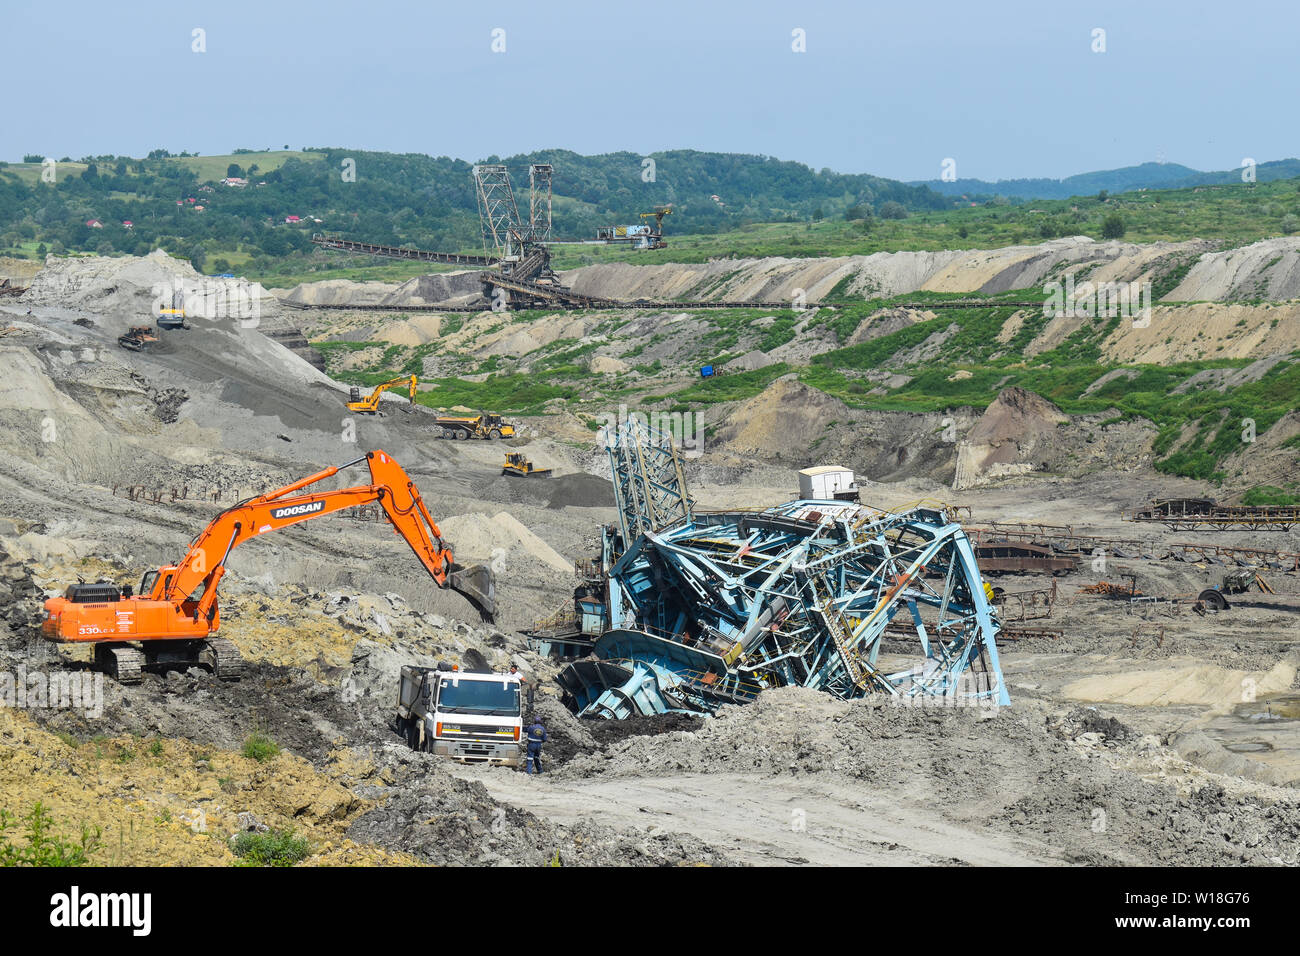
(494, 434)
(413, 735)
(462, 435)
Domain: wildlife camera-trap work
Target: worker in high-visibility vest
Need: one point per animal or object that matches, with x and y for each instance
(536, 737)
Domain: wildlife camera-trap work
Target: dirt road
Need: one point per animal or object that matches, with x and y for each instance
(765, 822)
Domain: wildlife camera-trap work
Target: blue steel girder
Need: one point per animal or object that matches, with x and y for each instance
(802, 593)
(649, 482)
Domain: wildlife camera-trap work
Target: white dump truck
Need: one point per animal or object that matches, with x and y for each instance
(473, 718)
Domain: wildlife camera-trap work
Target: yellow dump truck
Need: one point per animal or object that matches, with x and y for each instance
(477, 426)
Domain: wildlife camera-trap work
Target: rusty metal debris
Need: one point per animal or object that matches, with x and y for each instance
(1190, 513)
(154, 495)
(168, 494)
(1258, 557)
(1030, 633)
(1000, 555)
(1028, 605)
(1112, 590)
(1062, 538)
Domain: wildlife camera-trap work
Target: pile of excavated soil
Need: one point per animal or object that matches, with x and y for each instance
(1009, 438)
(132, 284)
(1268, 269)
(18, 271)
(781, 422)
(886, 322)
(1218, 689)
(417, 330)
(793, 423)
(433, 289)
(520, 339)
(880, 274)
(500, 537)
(569, 737)
(782, 279)
(337, 292)
(22, 600)
(1205, 331)
(579, 490)
(126, 290)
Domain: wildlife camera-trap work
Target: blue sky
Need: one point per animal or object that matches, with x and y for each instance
(1007, 89)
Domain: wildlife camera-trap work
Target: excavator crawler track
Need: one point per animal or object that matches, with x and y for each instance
(122, 662)
(224, 659)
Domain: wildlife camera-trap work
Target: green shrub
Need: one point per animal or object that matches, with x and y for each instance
(1269, 495)
(43, 846)
(273, 848)
(260, 747)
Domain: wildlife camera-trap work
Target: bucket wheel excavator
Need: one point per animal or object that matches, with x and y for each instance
(174, 619)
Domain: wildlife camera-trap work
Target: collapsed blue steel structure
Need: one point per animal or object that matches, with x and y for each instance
(705, 608)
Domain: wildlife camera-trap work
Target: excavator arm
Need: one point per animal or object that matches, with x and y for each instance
(204, 564)
(371, 402)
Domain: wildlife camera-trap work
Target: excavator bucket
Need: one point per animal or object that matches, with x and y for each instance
(478, 586)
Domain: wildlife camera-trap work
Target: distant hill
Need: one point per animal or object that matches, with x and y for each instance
(1127, 179)
(180, 201)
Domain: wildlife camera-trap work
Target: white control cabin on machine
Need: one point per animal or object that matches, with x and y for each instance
(827, 483)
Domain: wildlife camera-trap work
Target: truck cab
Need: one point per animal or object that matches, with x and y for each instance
(473, 718)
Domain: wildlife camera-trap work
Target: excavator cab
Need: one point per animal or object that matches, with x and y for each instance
(147, 581)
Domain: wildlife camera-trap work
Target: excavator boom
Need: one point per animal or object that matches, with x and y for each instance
(370, 404)
(179, 602)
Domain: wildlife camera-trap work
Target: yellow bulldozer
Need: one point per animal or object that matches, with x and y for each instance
(370, 404)
(520, 467)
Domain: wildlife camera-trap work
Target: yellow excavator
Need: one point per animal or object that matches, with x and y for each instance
(173, 316)
(370, 404)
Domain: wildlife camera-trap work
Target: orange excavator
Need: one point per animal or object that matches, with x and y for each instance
(174, 617)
